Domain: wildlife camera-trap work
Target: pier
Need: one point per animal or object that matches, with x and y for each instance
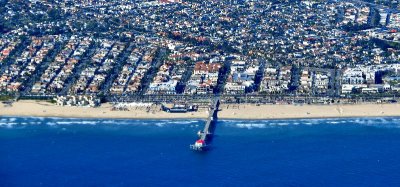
(206, 135)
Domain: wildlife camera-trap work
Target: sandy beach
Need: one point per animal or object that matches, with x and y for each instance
(308, 111)
(46, 109)
(243, 111)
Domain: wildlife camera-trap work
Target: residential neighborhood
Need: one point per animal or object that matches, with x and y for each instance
(107, 48)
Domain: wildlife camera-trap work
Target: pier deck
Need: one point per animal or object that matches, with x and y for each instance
(207, 133)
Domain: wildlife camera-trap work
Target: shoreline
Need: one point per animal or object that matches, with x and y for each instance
(32, 108)
(199, 119)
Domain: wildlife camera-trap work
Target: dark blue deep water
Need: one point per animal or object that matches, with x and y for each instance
(89, 152)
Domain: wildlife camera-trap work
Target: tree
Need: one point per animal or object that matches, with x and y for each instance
(54, 14)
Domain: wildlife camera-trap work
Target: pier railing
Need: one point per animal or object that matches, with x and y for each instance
(208, 131)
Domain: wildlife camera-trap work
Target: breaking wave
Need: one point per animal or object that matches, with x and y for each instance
(251, 125)
(383, 122)
(7, 125)
(57, 121)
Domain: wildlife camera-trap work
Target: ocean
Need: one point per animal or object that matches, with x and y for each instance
(107, 152)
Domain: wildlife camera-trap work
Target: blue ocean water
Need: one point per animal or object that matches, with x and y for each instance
(301, 152)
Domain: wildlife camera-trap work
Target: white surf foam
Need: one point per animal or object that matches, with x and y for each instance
(180, 122)
(160, 124)
(51, 123)
(251, 125)
(35, 123)
(7, 124)
(76, 122)
(12, 119)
